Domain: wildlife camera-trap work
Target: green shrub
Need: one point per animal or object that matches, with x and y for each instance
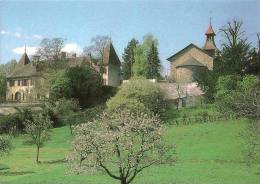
(126, 104)
(91, 113)
(5, 145)
(13, 123)
(139, 90)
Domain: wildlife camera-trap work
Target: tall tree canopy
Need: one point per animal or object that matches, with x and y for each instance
(235, 52)
(50, 49)
(82, 83)
(2, 87)
(129, 59)
(5, 69)
(8, 67)
(146, 57)
(153, 65)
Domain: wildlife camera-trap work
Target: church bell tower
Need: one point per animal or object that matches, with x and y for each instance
(210, 46)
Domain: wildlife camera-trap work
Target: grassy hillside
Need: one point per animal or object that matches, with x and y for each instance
(207, 154)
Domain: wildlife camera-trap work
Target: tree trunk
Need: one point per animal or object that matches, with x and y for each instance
(37, 156)
(123, 181)
(70, 129)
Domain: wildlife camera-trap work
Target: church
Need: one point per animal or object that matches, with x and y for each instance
(192, 60)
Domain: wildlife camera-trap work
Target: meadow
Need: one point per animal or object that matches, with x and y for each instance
(207, 153)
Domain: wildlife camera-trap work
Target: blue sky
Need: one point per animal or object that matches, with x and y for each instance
(174, 23)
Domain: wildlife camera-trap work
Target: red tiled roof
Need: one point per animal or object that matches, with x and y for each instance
(210, 31)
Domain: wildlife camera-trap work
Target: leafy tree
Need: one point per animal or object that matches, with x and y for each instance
(8, 67)
(239, 97)
(2, 87)
(120, 143)
(138, 90)
(253, 66)
(61, 86)
(81, 83)
(5, 145)
(129, 59)
(235, 52)
(153, 65)
(68, 111)
(38, 131)
(140, 67)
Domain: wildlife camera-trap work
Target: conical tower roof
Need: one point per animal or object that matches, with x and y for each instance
(24, 59)
(210, 31)
(210, 46)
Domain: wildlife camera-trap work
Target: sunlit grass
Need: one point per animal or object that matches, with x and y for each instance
(207, 153)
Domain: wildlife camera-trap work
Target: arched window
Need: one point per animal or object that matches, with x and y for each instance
(17, 96)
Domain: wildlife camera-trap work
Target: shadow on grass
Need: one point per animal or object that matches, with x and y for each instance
(3, 167)
(59, 161)
(14, 173)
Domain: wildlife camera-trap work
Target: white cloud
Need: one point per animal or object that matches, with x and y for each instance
(17, 35)
(29, 50)
(37, 37)
(3, 32)
(72, 47)
(69, 47)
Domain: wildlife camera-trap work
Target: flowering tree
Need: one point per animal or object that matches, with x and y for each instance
(38, 131)
(120, 143)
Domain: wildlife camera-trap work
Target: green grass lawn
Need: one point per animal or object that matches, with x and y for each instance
(209, 153)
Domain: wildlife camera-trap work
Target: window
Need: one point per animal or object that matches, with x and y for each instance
(104, 81)
(19, 82)
(31, 82)
(25, 82)
(11, 83)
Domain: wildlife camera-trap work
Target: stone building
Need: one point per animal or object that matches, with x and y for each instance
(24, 82)
(111, 65)
(21, 82)
(189, 62)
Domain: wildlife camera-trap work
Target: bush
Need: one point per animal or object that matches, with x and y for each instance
(13, 123)
(243, 100)
(126, 104)
(226, 84)
(5, 145)
(141, 93)
(91, 114)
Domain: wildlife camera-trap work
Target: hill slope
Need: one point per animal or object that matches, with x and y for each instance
(209, 153)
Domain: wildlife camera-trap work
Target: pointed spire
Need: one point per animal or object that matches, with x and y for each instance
(210, 45)
(210, 30)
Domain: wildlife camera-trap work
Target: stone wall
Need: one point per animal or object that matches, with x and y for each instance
(113, 75)
(10, 108)
(185, 73)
